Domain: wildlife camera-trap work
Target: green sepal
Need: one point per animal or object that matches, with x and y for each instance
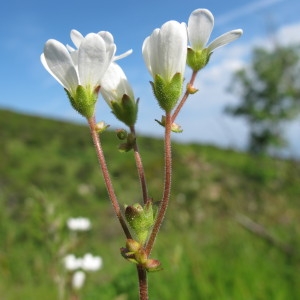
(84, 100)
(140, 219)
(198, 59)
(125, 110)
(167, 93)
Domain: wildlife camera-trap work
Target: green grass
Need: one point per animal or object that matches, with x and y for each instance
(49, 172)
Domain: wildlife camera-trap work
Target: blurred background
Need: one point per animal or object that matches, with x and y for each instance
(233, 223)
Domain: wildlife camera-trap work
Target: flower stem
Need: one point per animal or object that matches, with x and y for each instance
(106, 176)
(167, 185)
(143, 283)
(140, 169)
(185, 96)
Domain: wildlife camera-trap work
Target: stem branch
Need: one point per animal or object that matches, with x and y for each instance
(140, 169)
(106, 176)
(185, 96)
(167, 185)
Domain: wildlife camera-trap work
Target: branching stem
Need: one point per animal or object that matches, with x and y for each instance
(185, 96)
(167, 185)
(140, 169)
(106, 176)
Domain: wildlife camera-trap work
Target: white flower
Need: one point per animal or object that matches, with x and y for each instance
(79, 224)
(91, 263)
(165, 50)
(78, 280)
(200, 26)
(117, 92)
(72, 263)
(84, 67)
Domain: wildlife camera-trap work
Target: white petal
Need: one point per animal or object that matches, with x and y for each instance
(172, 47)
(224, 39)
(147, 53)
(123, 55)
(200, 25)
(114, 84)
(107, 37)
(58, 62)
(92, 60)
(76, 38)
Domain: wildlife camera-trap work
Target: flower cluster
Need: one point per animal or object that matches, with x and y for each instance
(91, 66)
(87, 263)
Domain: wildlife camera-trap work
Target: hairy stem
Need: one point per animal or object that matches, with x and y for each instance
(140, 169)
(106, 176)
(167, 185)
(185, 96)
(143, 283)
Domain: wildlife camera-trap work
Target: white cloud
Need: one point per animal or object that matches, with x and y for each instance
(246, 10)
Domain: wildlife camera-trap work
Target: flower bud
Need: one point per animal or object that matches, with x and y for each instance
(140, 219)
(101, 126)
(152, 265)
(121, 134)
(174, 127)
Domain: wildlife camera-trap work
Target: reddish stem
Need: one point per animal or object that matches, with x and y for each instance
(167, 185)
(140, 169)
(143, 283)
(185, 96)
(106, 176)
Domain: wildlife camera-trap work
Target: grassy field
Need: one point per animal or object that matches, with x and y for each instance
(231, 233)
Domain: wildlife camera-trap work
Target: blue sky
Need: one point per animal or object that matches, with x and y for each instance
(26, 87)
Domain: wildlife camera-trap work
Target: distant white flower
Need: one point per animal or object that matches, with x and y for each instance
(91, 263)
(164, 51)
(200, 26)
(78, 280)
(72, 263)
(79, 224)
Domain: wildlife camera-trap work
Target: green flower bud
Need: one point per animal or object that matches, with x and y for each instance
(121, 134)
(125, 110)
(140, 219)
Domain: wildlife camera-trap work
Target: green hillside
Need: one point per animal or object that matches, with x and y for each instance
(232, 229)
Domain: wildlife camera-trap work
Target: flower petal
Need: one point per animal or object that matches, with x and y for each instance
(93, 59)
(57, 61)
(225, 39)
(76, 37)
(200, 25)
(164, 51)
(172, 49)
(114, 84)
(149, 50)
(125, 54)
